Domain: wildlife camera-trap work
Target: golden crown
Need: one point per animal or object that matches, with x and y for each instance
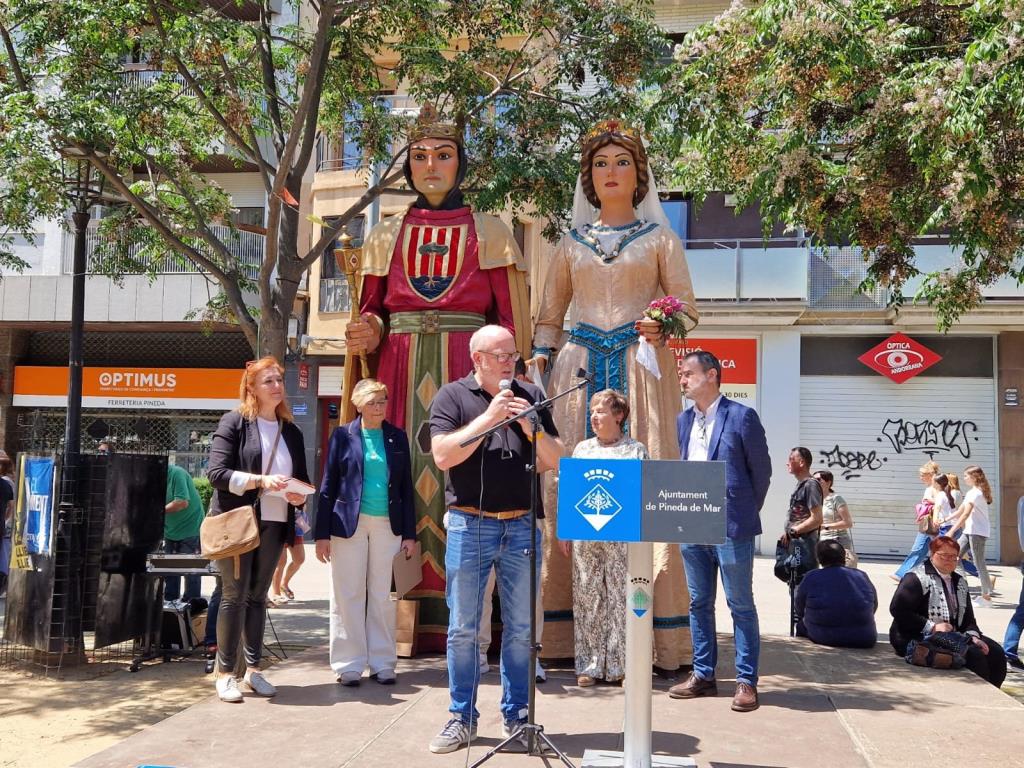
(428, 125)
(616, 127)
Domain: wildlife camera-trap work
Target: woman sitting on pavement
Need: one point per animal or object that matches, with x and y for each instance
(933, 598)
(365, 518)
(836, 605)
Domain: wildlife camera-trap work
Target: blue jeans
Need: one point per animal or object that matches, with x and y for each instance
(475, 544)
(172, 584)
(1011, 643)
(735, 561)
(918, 554)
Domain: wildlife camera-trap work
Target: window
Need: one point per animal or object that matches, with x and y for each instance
(677, 211)
(334, 295)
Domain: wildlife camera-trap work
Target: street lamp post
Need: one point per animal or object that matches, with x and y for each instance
(84, 185)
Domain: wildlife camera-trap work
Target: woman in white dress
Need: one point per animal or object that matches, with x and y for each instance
(599, 567)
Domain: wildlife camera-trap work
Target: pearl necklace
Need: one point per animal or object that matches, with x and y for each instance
(587, 232)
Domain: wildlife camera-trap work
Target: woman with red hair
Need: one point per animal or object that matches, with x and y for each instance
(256, 449)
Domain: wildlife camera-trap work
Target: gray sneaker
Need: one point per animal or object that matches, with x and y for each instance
(227, 689)
(258, 684)
(520, 743)
(454, 735)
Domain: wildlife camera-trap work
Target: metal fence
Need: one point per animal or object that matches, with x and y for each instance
(246, 247)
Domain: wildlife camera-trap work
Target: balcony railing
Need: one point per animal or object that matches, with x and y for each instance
(342, 153)
(142, 79)
(248, 248)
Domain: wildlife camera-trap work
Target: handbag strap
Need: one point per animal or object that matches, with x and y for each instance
(273, 453)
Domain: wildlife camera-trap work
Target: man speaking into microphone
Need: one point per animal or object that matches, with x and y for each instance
(488, 498)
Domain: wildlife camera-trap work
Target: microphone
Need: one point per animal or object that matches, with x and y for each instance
(505, 384)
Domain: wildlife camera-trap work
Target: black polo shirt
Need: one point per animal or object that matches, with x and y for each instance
(505, 454)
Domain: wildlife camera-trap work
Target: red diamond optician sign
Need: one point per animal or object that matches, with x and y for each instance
(899, 358)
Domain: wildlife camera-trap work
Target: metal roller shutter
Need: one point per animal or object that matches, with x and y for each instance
(874, 435)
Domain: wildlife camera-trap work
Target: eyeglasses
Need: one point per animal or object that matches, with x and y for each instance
(946, 555)
(503, 357)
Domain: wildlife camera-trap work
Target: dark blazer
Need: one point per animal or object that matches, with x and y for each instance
(909, 606)
(341, 491)
(236, 448)
(738, 440)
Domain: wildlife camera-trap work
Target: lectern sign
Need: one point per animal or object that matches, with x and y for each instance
(632, 500)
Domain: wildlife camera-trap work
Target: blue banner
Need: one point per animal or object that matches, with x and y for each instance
(38, 505)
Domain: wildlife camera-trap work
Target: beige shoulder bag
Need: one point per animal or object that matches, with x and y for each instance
(235, 532)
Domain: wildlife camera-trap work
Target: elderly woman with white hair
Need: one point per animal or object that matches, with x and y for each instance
(364, 517)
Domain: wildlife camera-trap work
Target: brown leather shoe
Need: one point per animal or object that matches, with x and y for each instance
(745, 699)
(694, 687)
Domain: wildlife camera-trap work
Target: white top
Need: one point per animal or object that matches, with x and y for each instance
(941, 509)
(977, 524)
(700, 432)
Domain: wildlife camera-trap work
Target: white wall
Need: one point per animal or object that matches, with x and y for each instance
(779, 409)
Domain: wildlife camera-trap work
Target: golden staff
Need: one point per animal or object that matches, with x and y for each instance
(348, 258)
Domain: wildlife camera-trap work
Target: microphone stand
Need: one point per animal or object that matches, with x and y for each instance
(536, 739)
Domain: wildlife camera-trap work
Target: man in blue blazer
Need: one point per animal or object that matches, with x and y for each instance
(716, 428)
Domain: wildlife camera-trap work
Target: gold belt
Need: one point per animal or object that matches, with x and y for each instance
(509, 514)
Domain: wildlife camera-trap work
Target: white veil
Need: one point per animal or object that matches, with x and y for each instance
(649, 209)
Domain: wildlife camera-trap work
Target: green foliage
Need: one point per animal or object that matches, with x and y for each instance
(880, 121)
(205, 490)
(257, 94)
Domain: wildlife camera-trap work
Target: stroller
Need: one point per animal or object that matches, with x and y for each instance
(792, 562)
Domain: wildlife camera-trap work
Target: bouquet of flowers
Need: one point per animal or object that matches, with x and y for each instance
(671, 313)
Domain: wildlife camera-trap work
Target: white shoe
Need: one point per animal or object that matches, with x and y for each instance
(981, 602)
(258, 684)
(485, 666)
(540, 674)
(227, 689)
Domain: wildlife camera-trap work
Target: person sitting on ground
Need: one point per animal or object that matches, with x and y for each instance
(934, 598)
(836, 605)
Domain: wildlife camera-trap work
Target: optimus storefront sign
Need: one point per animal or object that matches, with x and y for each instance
(119, 387)
(899, 358)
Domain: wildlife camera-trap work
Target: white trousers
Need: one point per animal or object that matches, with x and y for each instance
(362, 611)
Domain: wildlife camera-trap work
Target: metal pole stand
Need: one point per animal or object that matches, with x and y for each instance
(639, 661)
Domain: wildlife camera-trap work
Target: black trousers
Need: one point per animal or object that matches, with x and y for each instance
(243, 604)
(990, 667)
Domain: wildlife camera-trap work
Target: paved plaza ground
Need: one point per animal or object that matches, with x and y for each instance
(819, 706)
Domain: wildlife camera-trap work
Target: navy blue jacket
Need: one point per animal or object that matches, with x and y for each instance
(836, 606)
(738, 440)
(341, 491)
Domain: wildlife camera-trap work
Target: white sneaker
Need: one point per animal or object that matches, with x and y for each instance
(227, 689)
(259, 685)
(485, 666)
(981, 602)
(453, 736)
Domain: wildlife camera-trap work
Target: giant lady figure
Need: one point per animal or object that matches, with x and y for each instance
(619, 255)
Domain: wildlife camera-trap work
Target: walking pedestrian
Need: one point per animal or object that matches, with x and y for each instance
(919, 551)
(973, 517)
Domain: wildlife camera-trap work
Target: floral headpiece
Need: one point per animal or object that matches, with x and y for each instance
(616, 128)
(428, 125)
